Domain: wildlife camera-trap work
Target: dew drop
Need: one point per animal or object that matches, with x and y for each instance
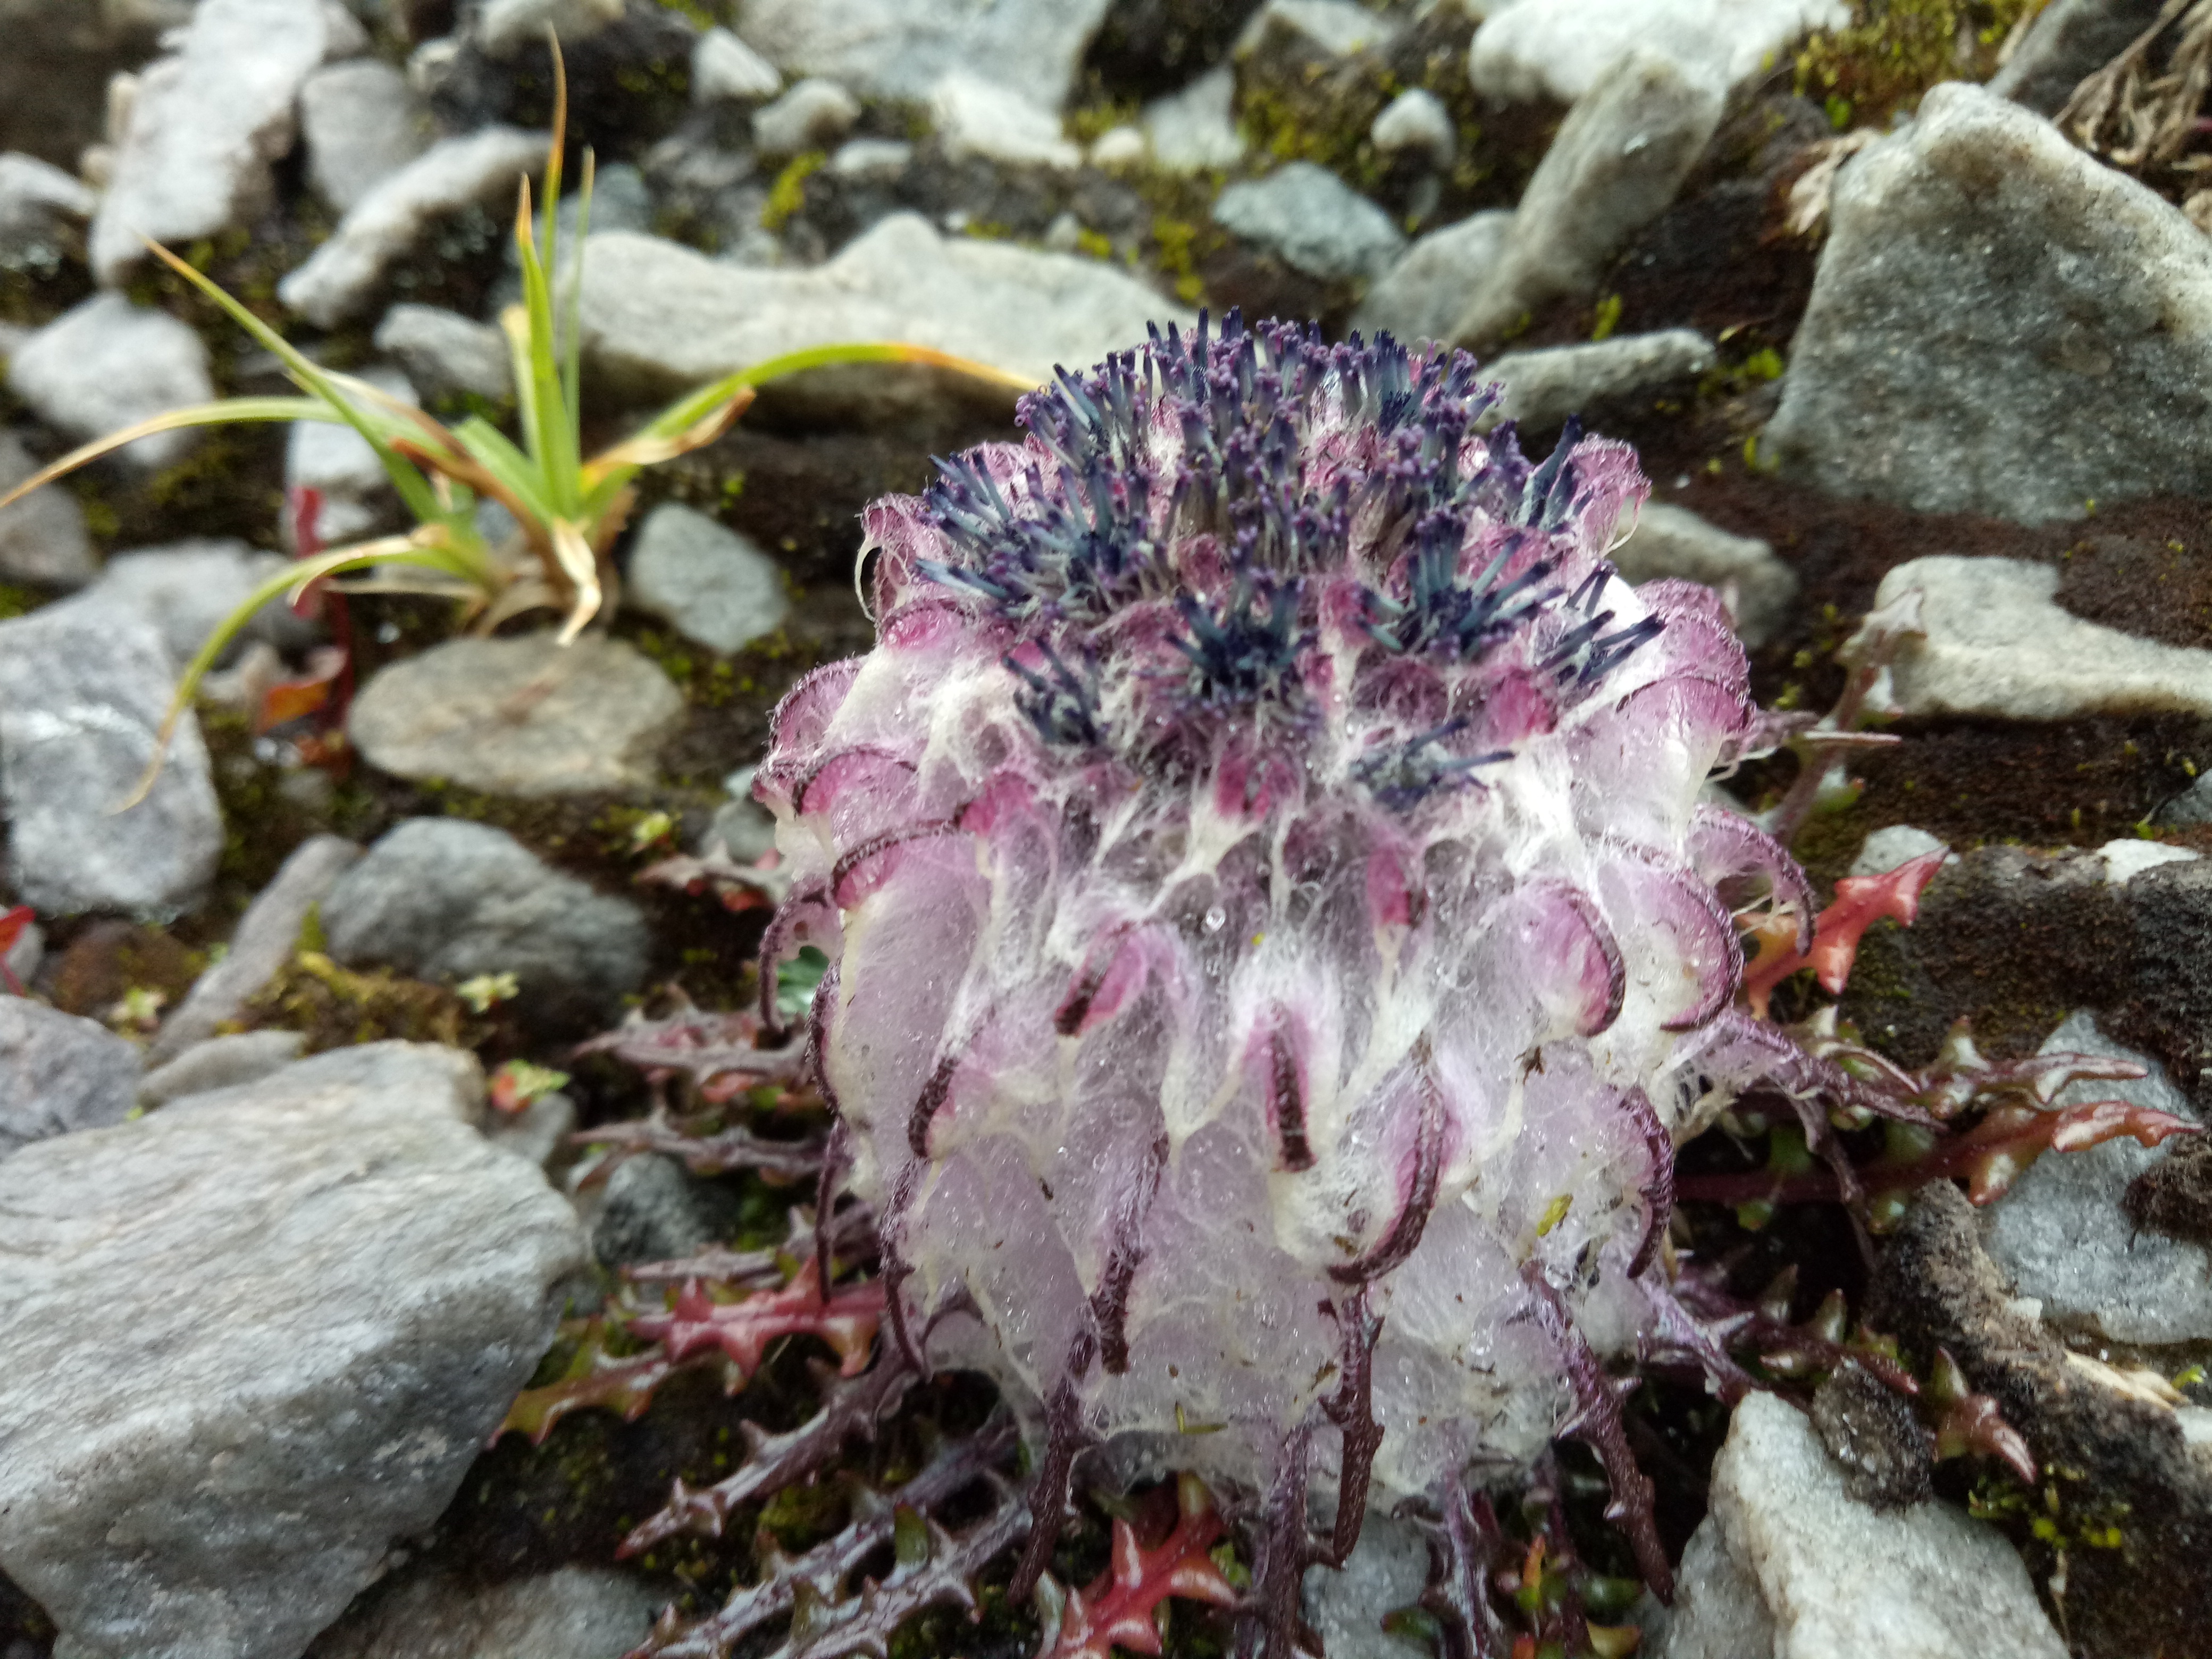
(1215, 919)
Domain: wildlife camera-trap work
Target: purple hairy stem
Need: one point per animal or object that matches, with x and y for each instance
(1466, 1545)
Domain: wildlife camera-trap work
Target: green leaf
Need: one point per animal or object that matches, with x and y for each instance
(496, 452)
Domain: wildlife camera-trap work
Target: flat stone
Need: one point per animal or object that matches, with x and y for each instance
(2061, 1238)
(43, 540)
(446, 900)
(1835, 1578)
(444, 353)
(1427, 291)
(1194, 131)
(518, 716)
(107, 364)
(2069, 41)
(1672, 541)
(205, 126)
(813, 115)
(1314, 221)
(1416, 122)
(426, 1612)
(710, 583)
(660, 319)
(1542, 388)
(725, 70)
(1998, 643)
(82, 692)
(1558, 49)
(1999, 324)
(260, 945)
(257, 1339)
(40, 208)
(344, 276)
(60, 1074)
(901, 48)
(1618, 158)
(978, 116)
(362, 123)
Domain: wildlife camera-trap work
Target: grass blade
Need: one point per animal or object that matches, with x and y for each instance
(222, 413)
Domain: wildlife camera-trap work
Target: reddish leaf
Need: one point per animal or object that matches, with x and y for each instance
(740, 887)
(593, 1377)
(311, 693)
(1121, 1609)
(12, 923)
(742, 1330)
(1974, 1422)
(720, 1052)
(1861, 900)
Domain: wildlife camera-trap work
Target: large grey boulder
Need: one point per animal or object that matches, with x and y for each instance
(1619, 156)
(1427, 290)
(1313, 221)
(205, 126)
(106, 364)
(188, 589)
(256, 1337)
(2000, 324)
(82, 692)
(660, 319)
(902, 48)
(423, 1612)
(1788, 1565)
(518, 716)
(446, 899)
(60, 1074)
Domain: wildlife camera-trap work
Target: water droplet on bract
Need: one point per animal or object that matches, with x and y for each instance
(1215, 918)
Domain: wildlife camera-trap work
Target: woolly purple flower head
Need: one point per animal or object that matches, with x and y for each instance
(1269, 900)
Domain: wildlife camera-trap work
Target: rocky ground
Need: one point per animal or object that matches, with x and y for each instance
(278, 1262)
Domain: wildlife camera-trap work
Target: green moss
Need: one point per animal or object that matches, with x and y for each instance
(336, 1008)
(1877, 65)
(787, 195)
(18, 601)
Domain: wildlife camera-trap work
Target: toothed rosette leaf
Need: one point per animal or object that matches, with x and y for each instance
(1263, 872)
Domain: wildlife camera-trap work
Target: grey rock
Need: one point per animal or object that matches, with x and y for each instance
(813, 115)
(505, 26)
(1427, 291)
(872, 161)
(539, 1132)
(1542, 388)
(2061, 1238)
(1672, 541)
(43, 540)
(1999, 324)
(205, 126)
(336, 463)
(1619, 156)
(287, 1315)
(186, 589)
(1558, 49)
(1329, 28)
(2069, 41)
(725, 70)
(107, 364)
(1194, 131)
(975, 115)
(741, 826)
(1996, 642)
(660, 319)
(901, 48)
(23, 957)
(1885, 849)
(446, 900)
(59, 1074)
(259, 946)
(654, 1209)
(1387, 1569)
(40, 207)
(222, 1062)
(82, 692)
(621, 200)
(343, 276)
(362, 123)
(1416, 120)
(1314, 221)
(518, 716)
(444, 353)
(429, 1613)
(710, 583)
(2192, 806)
(1791, 1565)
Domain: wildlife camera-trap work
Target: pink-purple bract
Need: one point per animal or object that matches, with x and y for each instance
(1274, 927)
